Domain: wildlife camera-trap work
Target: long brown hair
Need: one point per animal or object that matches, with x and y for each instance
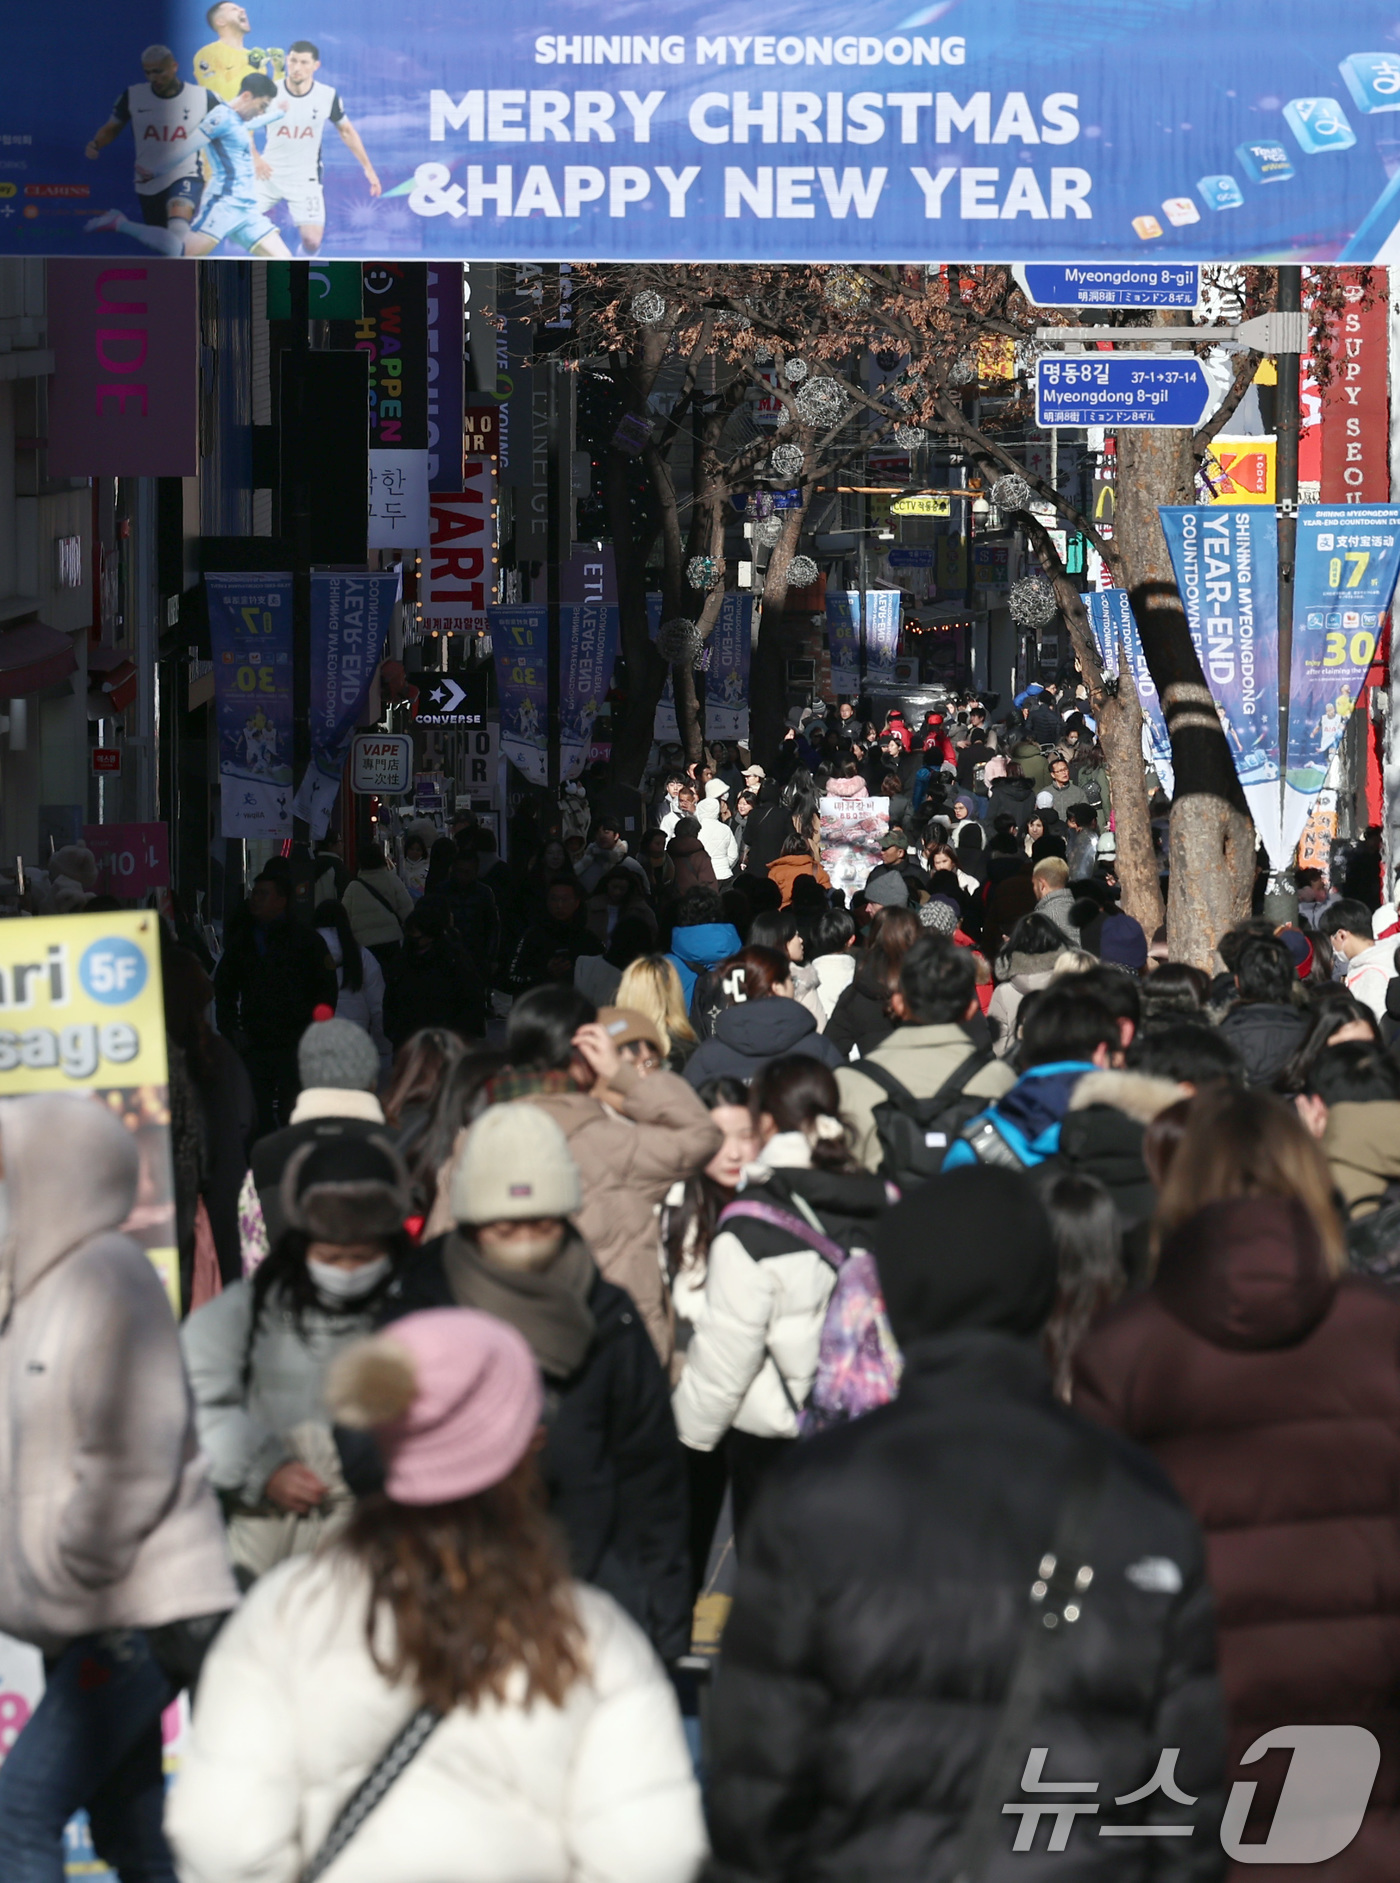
(890, 936)
(478, 1591)
(1242, 1144)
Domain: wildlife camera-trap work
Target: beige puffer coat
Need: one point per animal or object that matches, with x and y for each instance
(107, 1519)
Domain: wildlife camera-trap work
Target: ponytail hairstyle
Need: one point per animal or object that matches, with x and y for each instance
(753, 974)
(801, 1094)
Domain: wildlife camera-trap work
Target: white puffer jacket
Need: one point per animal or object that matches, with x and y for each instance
(293, 1714)
(717, 838)
(766, 1298)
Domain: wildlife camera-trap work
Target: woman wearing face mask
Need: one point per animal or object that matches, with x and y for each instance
(687, 1228)
(611, 1462)
(258, 1352)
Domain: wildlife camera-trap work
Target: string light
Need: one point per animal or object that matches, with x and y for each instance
(802, 572)
(821, 401)
(1032, 602)
(648, 308)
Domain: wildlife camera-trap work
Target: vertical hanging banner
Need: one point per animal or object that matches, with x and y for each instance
(458, 567)
(350, 616)
(1116, 631)
(589, 620)
(843, 644)
(665, 727)
(727, 678)
(1348, 560)
(520, 638)
(1355, 403)
(392, 332)
(250, 637)
(446, 384)
(882, 619)
(1226, 564)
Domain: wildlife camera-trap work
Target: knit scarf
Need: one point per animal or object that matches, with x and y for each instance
(548, 1306)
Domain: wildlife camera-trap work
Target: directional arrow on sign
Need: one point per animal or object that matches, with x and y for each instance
(1115, 389)
(445, 696)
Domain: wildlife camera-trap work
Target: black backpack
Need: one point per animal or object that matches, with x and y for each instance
(916, 1133)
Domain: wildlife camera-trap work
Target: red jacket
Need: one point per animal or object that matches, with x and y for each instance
(1270, 1392)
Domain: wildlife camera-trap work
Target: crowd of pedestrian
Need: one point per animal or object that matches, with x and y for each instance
(1016, 1307)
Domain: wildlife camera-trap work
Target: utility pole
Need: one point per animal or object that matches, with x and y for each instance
(1281, 902)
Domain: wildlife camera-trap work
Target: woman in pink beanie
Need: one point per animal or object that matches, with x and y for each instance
(529, 1728)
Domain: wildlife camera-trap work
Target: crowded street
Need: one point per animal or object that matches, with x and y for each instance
(700, 945)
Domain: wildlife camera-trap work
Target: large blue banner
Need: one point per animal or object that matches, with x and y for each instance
(882, 623)
(1225, 558)
(727, 676)
(1348, 558)
(843, 644)
(350, 618)
(250, 638)
(1008, 130)
(1116, 631)
(587, 657)
(519, 638)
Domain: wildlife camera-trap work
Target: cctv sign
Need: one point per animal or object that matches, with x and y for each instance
(381, 763)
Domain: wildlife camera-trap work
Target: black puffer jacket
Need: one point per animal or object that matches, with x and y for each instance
(768, 827)
(747, 1037)
(612, 1464)
(881, 1604)
(859, 1018)
(1265, 1035)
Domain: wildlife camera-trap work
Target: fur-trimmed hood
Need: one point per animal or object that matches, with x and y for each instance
(1138, 1095)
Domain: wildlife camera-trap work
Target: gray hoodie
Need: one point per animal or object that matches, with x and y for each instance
(107, 1519)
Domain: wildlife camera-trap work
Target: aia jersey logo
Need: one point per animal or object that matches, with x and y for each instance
(293, 130)
(165, 134)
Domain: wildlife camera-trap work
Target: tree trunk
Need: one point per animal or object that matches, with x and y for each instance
(767, 680)
(1118, 712)
(1211, 843)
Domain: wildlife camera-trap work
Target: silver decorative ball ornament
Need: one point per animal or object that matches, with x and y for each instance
(787, 460)
(962, 373)
(768, 531)
(910, 436)
(702, 571)
(802, 572)
(678, 641)
(1031, 601)
(821, 401)
(1011, 492)
(648, 308)
(845, 291)
(795, 370)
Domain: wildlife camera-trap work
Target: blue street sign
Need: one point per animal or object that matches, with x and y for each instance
(1121, 389)
(1117, 284)
(899, 558)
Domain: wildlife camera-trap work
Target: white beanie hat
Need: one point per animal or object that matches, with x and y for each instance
(1043, 800)
(716, 788)
(516, 1164)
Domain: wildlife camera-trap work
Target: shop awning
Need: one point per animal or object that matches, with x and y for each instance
(112, 681)
(34, 656)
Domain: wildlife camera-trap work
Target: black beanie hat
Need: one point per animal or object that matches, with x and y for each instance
(969, 1249)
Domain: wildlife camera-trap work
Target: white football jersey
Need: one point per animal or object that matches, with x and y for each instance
(159, 126)
(293, 147)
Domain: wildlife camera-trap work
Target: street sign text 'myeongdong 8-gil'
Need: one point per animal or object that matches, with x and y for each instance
(1009, 130)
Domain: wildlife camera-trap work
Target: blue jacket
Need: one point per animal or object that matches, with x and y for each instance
(693, 950)
(1029, 1116)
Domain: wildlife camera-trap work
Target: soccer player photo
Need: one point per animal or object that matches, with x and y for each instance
(229, 210)
(163, 115)
(223, 63)
(289, 166)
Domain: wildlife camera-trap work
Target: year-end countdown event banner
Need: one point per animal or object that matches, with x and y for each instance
(1347, 561)
(1003, 131)
(350, 616)
(1225, 558)
(250, 637)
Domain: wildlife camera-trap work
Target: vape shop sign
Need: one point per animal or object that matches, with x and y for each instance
(381, 763)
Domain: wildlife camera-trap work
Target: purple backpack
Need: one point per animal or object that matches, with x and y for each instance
(858, 1363)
